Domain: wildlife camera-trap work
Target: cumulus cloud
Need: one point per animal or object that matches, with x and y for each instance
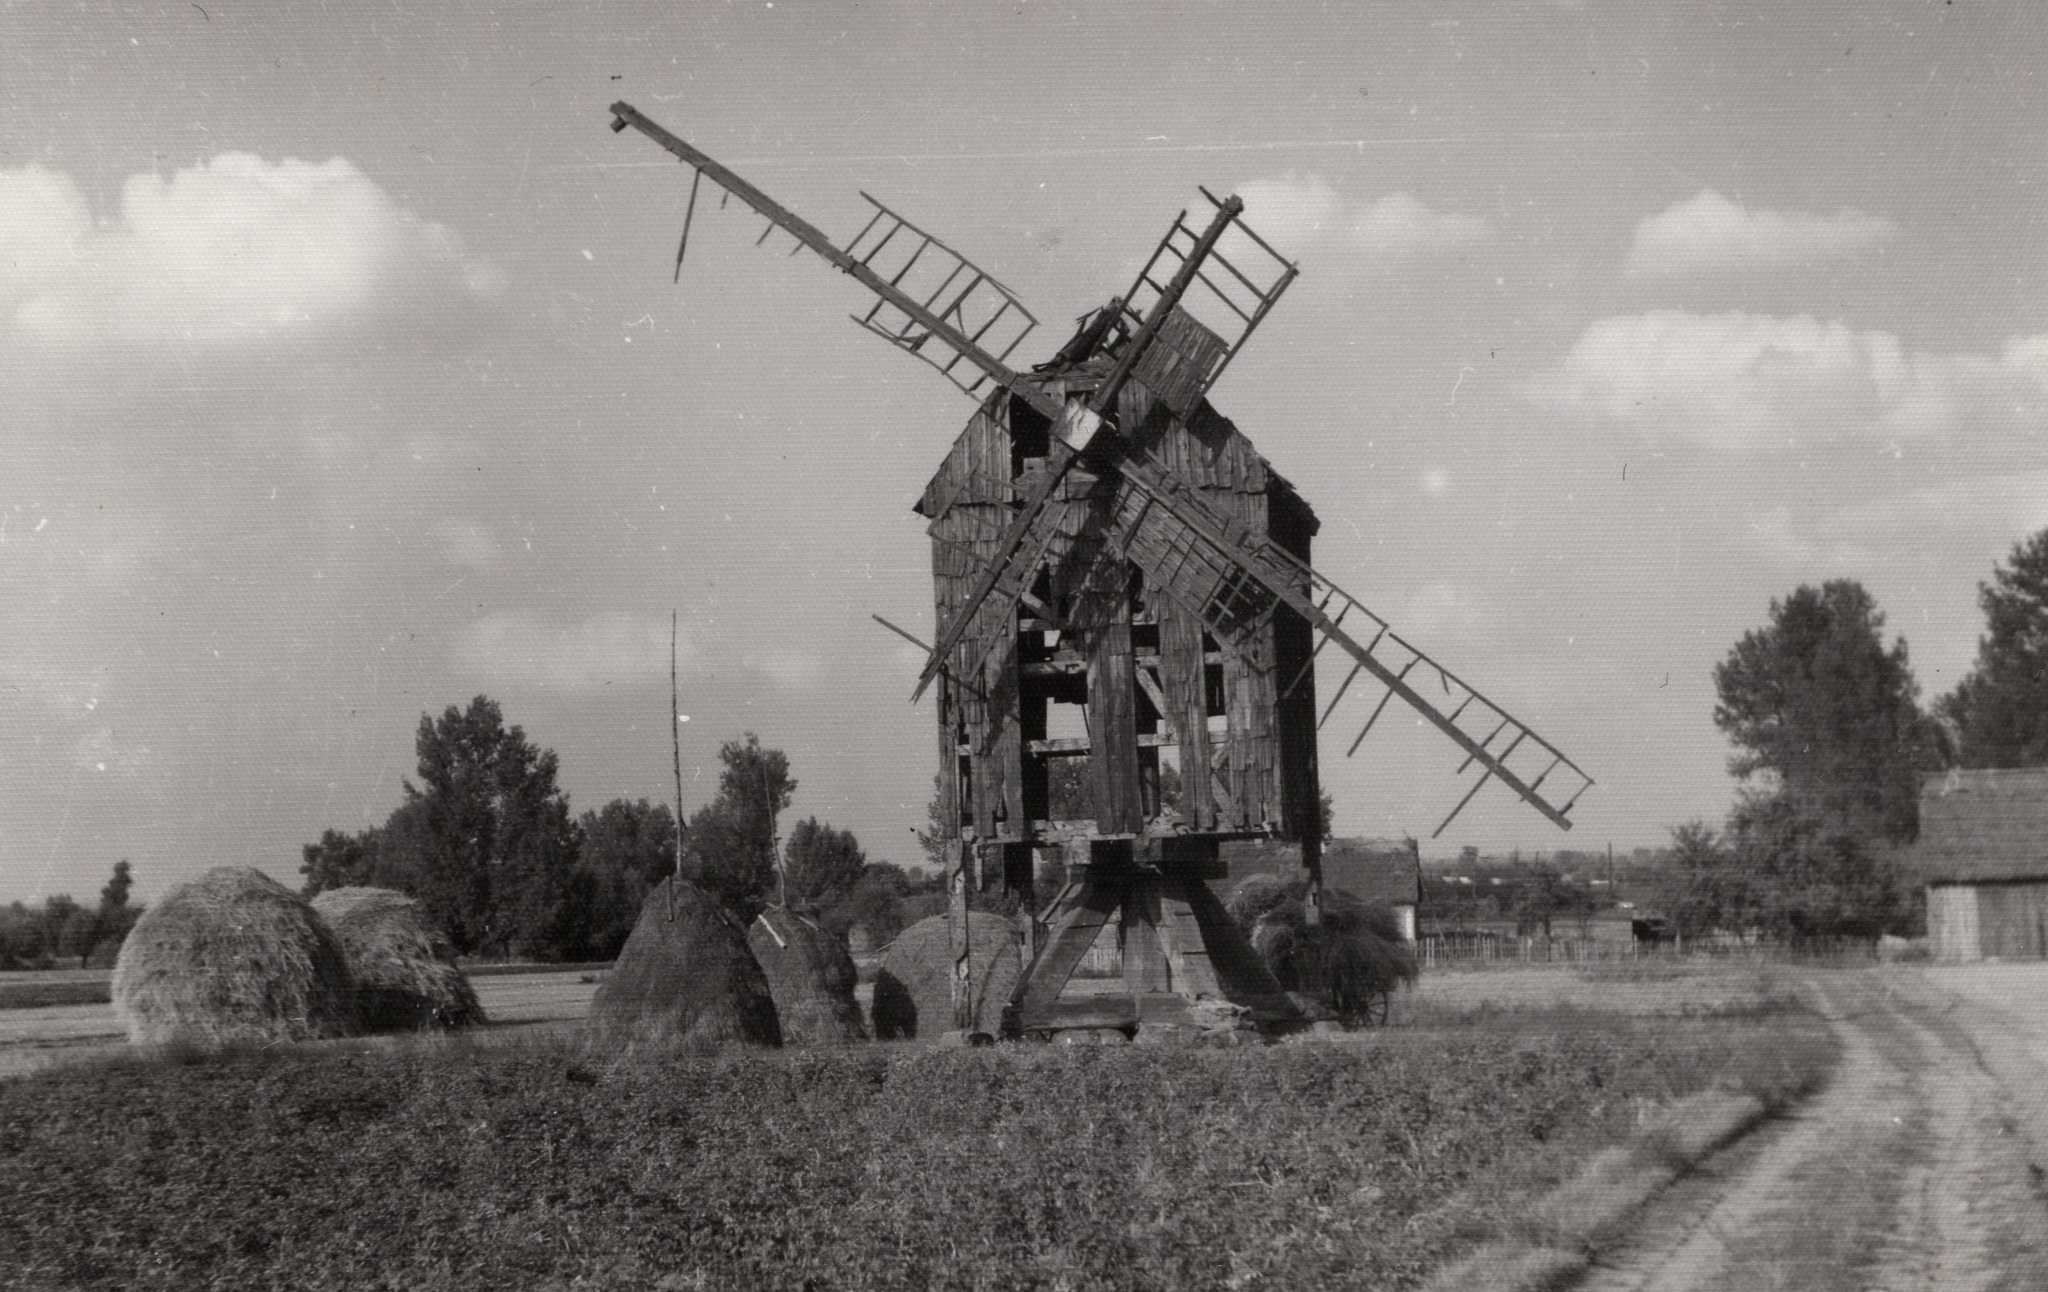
(1743, 381)
(526, 650)
(1294, 214)
(232, 251)
(1708, 232)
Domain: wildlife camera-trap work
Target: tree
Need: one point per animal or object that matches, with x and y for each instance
(626, 849)
(484, 841)
(732, 838)
(820, 865)
(2000, 708)
(1823, 712)
(1811, 876)
(1707, 886)
(116, 915)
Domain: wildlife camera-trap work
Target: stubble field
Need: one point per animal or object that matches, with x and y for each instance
(515, 1158)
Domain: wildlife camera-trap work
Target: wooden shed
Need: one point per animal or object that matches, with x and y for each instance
(1983, 854)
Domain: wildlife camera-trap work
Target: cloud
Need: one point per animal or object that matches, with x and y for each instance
(1745, 382)
(1400, 223)
(1295, 214)
(1709, 232)
(231, 252)
(526, 650)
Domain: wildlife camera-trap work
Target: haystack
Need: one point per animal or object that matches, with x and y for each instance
(914, 991)
(403, 967)
(234, 956)
(684, 978)
(811, 976)
(1350, 959)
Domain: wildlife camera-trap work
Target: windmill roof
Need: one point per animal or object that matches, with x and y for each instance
(1983, 826)
(1207, 449)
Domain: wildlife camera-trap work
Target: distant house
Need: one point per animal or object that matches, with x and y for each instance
(1386, 871)
(1983, 854)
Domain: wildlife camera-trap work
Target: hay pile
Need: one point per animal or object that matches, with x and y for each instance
(1351, 961)
(914, 991)
(811, 976)
(404, 970)
(687, 981)
(232, 957)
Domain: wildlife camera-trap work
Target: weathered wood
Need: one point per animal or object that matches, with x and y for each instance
(1112, 710)
(1145, 967)
(957, 926)
(1077, 917)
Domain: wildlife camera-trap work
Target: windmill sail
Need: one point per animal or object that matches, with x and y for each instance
(1233, 578)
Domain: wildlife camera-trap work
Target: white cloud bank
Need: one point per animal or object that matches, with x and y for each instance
(231, 251)
(1708, 232)
(1746, 382)
(1295, 213)
(521, 650)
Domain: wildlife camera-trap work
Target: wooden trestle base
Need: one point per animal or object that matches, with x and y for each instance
(1180, 944)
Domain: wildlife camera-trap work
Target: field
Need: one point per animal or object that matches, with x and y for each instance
(516, 1159)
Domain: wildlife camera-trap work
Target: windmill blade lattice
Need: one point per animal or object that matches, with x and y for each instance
(1235, 578)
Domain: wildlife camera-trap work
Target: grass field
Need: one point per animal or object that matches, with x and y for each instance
(523, 1161)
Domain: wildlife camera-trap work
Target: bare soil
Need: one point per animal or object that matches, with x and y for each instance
(1918, 1166)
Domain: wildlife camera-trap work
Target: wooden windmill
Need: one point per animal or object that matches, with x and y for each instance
(1103, 539)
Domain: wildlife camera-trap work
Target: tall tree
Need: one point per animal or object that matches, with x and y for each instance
(488, 846)
(628, 848)
(2000, 708)
(1823, 712)
(732, 838)
(820, 865)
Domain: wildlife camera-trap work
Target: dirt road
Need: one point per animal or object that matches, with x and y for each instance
(1919, 1166)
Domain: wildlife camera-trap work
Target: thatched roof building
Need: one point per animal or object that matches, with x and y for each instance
(404, 969)
(232, 957)
(1983, 855)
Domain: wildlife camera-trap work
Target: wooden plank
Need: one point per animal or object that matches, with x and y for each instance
(1112, 708)
(1076, 918)
(1239, 972)
(1180, 936)
(1145, 967)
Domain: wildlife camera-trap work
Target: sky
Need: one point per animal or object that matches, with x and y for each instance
(342, 376)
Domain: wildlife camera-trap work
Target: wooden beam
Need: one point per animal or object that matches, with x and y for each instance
(1078, 917)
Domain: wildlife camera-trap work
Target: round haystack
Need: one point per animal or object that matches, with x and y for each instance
(1256, 895)
(684, 978)
(914, 991)
(1351, 960)
(233, 956)
(811, 975)
(404, 969)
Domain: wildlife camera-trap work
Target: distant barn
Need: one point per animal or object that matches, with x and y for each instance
(1983, 854)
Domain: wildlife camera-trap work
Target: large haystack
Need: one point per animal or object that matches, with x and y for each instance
(1351, 960)
(914, 991)
(404, 969)
(811, 976)
(233, 956)
(684, 978)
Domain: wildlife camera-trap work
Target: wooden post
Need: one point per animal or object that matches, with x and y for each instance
(956, 925)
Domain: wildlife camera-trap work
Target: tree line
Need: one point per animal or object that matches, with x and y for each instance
(64, 929)
(486, 842)
(1831, 746)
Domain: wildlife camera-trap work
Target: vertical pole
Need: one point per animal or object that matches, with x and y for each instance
(675, 731)
(956, 925)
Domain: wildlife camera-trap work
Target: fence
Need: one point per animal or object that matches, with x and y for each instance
(1481, 948)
